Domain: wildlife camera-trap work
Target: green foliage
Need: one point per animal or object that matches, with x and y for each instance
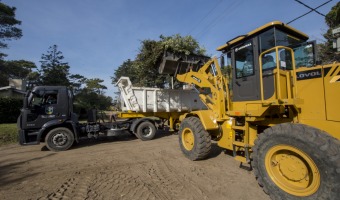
(143, 71)
(53, 70)
(94, 85)
(333, 17)
(179, 44)
(8, 26)
(9, 109)
(327, 54)
(146, 62)
(8, 134)
(15, 69)
(77, 81)
(127, 68)
(88, 99)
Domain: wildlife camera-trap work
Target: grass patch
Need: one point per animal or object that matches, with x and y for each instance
(8, 134)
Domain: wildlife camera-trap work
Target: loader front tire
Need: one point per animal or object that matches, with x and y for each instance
(292, 161)
(194, 140)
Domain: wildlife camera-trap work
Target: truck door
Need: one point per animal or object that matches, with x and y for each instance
(245, 84)
(42, 107)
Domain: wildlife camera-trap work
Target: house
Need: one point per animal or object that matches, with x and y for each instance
(15, 89)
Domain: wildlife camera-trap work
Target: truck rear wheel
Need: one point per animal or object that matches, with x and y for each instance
(59, 139)
(194, 140)
(292, 161)
(146, 131)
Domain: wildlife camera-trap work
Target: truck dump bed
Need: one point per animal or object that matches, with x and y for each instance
(144, 99)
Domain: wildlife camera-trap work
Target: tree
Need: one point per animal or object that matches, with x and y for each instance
(53, 70)
(77, 81)
(94, 85)
(8, 26)
(127, 68)
(87, 99)
(143, 71)
(15, 69)
(327, 53)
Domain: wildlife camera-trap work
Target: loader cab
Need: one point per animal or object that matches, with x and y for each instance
(255, 58)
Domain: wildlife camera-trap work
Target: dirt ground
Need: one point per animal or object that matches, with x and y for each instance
(122, 167)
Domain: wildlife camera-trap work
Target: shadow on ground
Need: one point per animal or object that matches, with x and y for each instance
(121, 136)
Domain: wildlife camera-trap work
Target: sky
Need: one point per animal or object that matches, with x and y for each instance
(97, 36)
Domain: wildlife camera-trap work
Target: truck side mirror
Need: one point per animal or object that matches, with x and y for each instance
(25, 102)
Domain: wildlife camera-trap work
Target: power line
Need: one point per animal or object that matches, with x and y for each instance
(203, 18)
(312, 9)
(217, 18)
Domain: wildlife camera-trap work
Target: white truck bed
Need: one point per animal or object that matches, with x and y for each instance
(144, 99)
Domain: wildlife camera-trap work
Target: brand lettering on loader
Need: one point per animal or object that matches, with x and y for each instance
(316, 73)
(197, 79)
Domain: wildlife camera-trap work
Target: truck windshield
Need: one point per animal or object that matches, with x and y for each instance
(34, 99)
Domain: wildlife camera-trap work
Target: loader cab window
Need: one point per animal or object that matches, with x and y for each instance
(226, 67)
(267, 40)
(305, 54)
(244, 60)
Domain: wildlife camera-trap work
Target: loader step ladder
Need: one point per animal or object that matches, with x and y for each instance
(241, 144)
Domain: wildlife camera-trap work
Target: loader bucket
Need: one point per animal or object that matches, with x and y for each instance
(174, 64)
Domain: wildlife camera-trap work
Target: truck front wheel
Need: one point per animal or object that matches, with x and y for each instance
(59, 139)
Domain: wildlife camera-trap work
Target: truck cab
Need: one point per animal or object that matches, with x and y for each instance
(45, 108)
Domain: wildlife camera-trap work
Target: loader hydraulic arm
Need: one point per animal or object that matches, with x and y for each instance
(210, 76)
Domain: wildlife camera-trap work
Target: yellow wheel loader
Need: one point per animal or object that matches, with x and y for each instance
(277, 110)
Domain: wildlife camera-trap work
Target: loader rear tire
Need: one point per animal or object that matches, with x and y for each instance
(292, 161)
(146, 131)
(194, 140)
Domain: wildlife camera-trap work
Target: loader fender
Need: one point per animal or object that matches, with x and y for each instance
(206, 117)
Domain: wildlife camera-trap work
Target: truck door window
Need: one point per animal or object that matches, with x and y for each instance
(244, 60)
(49, 98)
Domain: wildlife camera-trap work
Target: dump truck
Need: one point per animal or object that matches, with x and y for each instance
(278, 111)
(147, 109)
(47, 114)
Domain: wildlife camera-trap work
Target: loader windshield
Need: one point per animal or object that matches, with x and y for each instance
(304, 52)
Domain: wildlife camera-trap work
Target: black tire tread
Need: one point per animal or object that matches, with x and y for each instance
(140, 135)
(202, 145)
(70, 143)
(329, 146)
